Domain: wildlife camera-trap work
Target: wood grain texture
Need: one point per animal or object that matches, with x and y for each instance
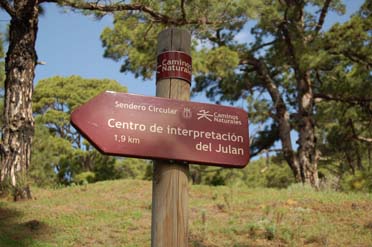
(170, 180)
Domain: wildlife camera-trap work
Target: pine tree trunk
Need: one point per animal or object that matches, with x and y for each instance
(282, 117)
(18, 127)
(307, 152)
(293, 31)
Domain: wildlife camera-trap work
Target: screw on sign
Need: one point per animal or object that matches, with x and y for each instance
(137, 126)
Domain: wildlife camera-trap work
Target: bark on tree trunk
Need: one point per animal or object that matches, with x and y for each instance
(307, 152)
(282, 118)
(18, 127)
(350, 161)
(293, 30)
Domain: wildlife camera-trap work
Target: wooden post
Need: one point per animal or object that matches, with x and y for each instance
(169, 227)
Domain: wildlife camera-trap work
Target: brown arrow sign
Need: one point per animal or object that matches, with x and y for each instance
(159, 128)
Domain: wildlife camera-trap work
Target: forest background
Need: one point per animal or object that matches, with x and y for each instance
(267, 58)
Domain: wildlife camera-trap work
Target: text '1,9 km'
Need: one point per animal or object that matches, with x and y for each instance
(159, 128)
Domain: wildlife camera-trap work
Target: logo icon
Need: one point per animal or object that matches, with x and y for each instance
(187, 113)
(204, 114)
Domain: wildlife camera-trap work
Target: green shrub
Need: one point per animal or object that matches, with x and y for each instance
(84, 178)
(360, 181)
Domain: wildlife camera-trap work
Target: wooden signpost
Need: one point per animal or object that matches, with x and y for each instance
(169, 225)
(170, 130)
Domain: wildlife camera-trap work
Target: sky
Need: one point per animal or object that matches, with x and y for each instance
(69, 43)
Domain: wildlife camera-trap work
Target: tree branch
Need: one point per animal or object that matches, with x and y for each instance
(97, 6)
(250, 61)
(2, 149)
(288, 41)
(254, 49)
(264, 150)
(8, 8)
(157, 16)
(363, 139)
(183, 10)
(350, 100)
(355, 135)
(322, 16)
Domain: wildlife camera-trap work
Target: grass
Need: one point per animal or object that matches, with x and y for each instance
(118, 213)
